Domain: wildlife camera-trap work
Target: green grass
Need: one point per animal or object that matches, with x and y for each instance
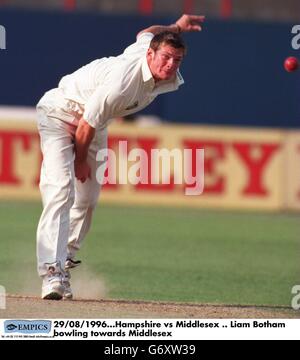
(170, 254)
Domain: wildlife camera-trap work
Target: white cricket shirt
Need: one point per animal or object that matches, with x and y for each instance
(108, 88)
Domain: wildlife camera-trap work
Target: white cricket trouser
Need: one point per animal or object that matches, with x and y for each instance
(68, 204)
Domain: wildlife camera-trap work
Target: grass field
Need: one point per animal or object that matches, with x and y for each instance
(168, 254)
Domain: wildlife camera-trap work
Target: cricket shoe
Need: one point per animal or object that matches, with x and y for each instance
(68, 294)
(53, 288)
(71, 263)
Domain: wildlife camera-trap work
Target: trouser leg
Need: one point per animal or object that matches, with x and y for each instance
(57, 190)
(86, 196)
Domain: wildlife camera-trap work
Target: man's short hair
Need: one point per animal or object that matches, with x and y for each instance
(168, 38)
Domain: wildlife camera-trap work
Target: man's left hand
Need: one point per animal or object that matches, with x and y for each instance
(188, 23)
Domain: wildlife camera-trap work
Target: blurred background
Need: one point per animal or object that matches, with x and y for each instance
(238, 103)
(234, 71)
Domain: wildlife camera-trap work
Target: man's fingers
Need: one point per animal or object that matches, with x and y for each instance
(195, 22)
(197, 18)
(81, 178)
(196, 28)
(83, 172)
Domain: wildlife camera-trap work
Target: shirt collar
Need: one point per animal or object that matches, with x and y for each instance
(147, 76)
(168, 85)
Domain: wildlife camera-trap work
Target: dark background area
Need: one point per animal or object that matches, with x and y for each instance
(233, 71)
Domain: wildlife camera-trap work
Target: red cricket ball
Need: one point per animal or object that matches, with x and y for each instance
(291, 64)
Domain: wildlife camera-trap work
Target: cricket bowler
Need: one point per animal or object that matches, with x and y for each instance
(72, 124)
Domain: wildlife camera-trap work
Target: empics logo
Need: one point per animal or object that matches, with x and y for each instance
(27, 327)
(2, 38)
(296, 38)
(2, 298)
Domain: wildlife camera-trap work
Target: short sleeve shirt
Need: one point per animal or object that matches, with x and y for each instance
(115, 86)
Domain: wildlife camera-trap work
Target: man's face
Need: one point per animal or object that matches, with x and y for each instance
(164, 62)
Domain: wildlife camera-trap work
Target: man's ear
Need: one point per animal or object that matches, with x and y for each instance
(150, 53)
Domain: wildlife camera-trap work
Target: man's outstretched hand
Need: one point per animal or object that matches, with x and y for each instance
(190, 23)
